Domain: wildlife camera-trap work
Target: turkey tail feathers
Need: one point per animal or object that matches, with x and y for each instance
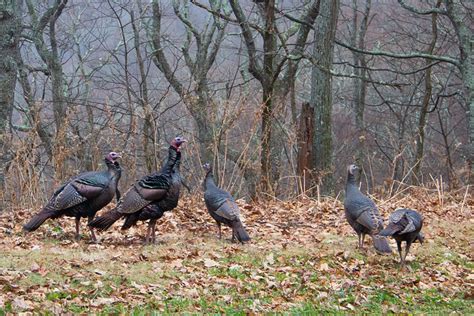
(381, 244)
(105, 221)
(39, 219)
(240, 232)
(390, 230)
(130, 220)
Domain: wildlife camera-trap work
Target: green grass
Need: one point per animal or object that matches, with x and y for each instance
(246, 279)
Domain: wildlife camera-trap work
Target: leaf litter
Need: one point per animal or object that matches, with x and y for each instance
(302, 253)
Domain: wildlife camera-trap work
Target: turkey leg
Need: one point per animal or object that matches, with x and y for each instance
(150, 235)
(407, 249)
(93, 238)
(153, 232)
(78, 222)
(361, 241)
(220, 230)
(399, 246)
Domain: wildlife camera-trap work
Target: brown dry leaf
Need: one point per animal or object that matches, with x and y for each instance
(209, 263)
(35, 267)
(20, 304)
(178, 263)
(103, 301)
(324, 267)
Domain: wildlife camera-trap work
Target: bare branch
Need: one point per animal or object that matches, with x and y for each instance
(381, 53)
(224, 16)
(160, 59)
(189, 25)
(306, 26)
(401, 56)
(254, 67)
(419, 11)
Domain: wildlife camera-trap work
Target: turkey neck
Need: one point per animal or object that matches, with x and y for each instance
(177, 165)
(209, 180)
(351, 181)
(174, 157)
(114, 170)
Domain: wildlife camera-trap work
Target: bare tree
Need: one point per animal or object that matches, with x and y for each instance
(50, 55)
(267, 69)
(10, 29)
(424, 111)
(458, 13)
(197, 98)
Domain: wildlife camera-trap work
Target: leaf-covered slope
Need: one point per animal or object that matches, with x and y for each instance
(302, 258)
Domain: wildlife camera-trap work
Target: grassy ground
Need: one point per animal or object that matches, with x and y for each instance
(302, 259)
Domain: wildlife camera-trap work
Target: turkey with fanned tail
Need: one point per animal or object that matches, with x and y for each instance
(82, 196)
(404, 225)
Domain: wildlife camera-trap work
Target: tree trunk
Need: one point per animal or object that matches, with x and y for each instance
(267, 72)
(9, 36)
(468, 74)
(360, 87)
(148, 131)
(205, 129)
(321, 98)
(420, 144)
(269, 159)
(461, 19)
(196, 98)
(305, 141)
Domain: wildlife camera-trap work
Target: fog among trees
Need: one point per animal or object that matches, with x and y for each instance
(280, 96)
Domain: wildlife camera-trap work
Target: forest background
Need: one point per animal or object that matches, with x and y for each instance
(280, 97)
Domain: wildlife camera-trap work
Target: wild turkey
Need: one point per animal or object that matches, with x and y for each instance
(222, 207)
(82, 196)
(154, 211)
(404, 225)
(151, 188)
(362, 214)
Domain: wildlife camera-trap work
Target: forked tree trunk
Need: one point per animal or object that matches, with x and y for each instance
(267, 72)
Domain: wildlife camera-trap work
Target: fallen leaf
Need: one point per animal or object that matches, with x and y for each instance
(20, 304)
(324, 267)
(103, 301)
(209, 263)
(35, 267)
